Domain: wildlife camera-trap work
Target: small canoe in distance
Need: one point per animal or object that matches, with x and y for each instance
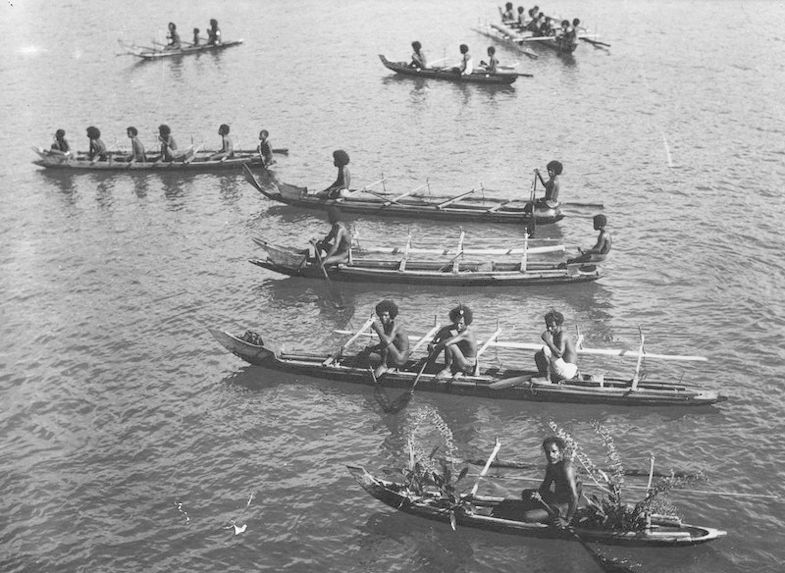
(146, 53)
(189, 161)
(498, 514)
(461, 207)
(459, 270)
(490, 382)
(476, 77)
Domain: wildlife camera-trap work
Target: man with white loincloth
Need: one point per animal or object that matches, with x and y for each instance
(557, 361)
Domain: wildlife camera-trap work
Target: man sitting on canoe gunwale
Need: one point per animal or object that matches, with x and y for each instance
(213, 33)
(552, 185)
(418, 57)
(227, 147)
(392, 351)
(137, 149)
(340, 188)
(458, 342)
(559, 503)
(168, 144)
(557, 361)
(60, 145)
(467, 66)
(97, 149)
(601, 248)
(334, 247)
(508, 15)
(196, 37)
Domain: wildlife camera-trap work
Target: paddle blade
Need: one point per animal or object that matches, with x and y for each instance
(400, 402)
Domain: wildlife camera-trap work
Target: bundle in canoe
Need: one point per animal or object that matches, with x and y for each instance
(476, 77)
(190, 160)
(487, 382)
(494, 514)
(460, 207)
(147, 53)
(401, 265)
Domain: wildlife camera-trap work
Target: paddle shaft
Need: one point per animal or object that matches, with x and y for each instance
(485, 469)
(335, 294)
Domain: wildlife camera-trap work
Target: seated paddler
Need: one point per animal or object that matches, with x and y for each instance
(392, 351)
(334, 248)
(556, 500)
(458, 342)
(557, 361)
(601, 248)
(418, 57)
(340, 188)
(552, 185)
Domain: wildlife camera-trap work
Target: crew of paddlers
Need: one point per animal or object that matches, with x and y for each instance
(175, 43)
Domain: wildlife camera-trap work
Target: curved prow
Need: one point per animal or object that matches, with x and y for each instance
(251, 178)
(251, 353)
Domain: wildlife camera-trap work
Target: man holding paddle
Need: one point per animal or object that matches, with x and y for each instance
(392, 351)
(334, 247)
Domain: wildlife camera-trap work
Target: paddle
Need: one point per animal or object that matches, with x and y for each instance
(337, 300)
(594, 42)
(497, 446)
(607, 564)
(403, 400)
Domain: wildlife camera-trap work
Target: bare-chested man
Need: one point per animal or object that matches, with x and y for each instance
(458, 342)
(393, 348)
(600, 249)
(558, 359)
(557, 496)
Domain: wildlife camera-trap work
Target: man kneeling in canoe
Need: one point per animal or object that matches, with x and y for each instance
(393, 348)
(558, 359)
(458, 342)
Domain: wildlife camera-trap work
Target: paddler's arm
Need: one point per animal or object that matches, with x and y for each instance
(338, 236)
(569, 474)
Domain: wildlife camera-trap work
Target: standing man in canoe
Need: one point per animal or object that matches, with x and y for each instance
(556, 500)
(137, 149)
(168, 144)
(173, 37)
(557, 361)
(97, 151)
(467, 66)
(264, 149)
(458, 342)
(601, 248)
(393, 348)
(227, 147)
(334, 247)
(340, 188)
(418, 57)
(213, 33)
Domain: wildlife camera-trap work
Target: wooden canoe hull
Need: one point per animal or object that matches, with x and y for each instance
(614, 391)
(479, 516)
(292, 262)
(188, 163)
(190, 50)
(476, 77)
(474, 210)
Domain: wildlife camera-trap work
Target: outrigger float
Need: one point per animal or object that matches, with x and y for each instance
(478, 76)
(445, 267)
(486, 382)
(493, 514)
(459, 207)
(189, 160)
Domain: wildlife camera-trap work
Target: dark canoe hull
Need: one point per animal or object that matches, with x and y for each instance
(615, 391)
(478, 211)
(475, 77)
(292, 262)
(500, 34)
(160, 54)
(479, 515)
(196, 164)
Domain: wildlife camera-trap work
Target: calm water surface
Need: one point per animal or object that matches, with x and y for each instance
(131, 440)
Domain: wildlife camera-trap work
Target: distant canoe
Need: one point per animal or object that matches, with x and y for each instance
(439, 271)
(460, 207)
(189, 161)
(156, 54)
(476, 77)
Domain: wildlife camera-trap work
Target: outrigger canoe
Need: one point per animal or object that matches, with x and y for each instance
(489, 382)
(189, 161)
(478, 76)
(400, 266)
(460, 207)
(147, 53)
(493, 514)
